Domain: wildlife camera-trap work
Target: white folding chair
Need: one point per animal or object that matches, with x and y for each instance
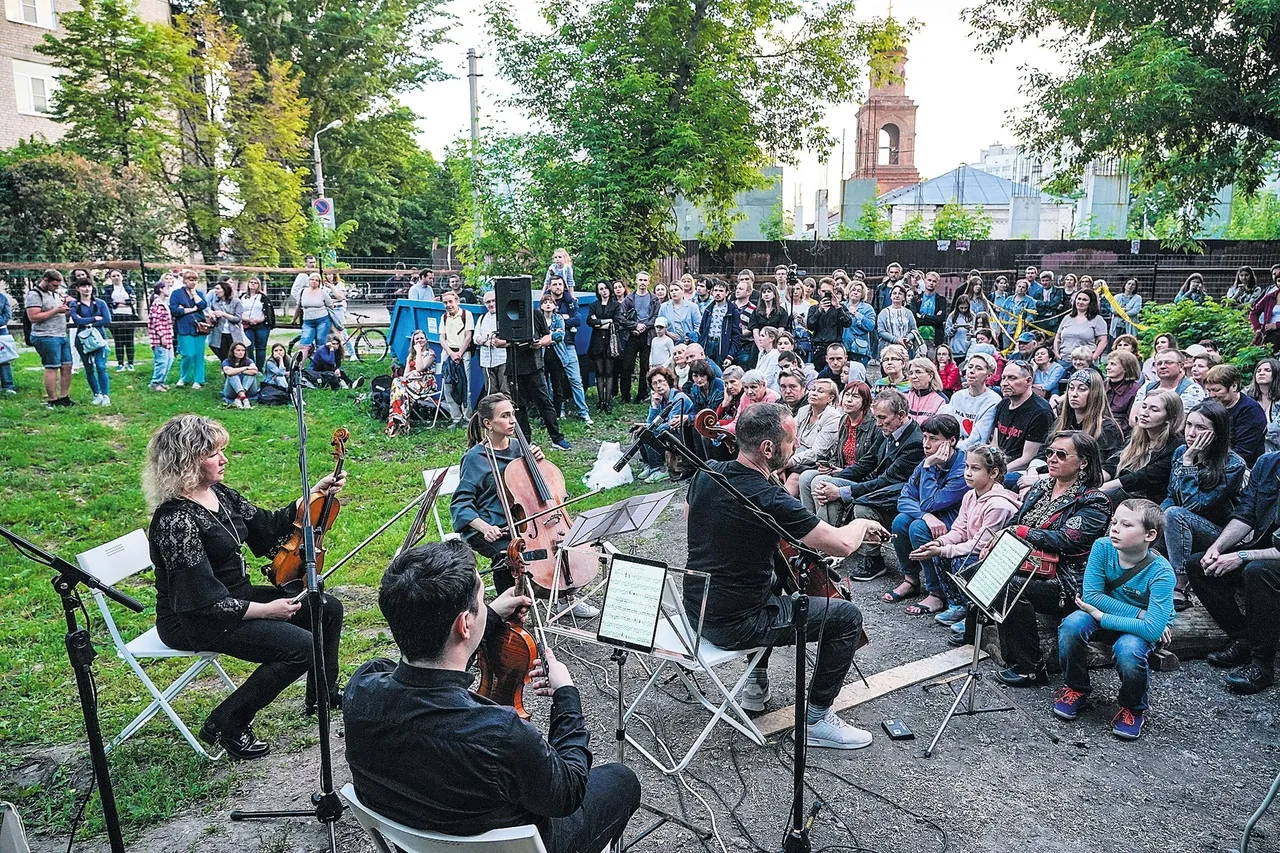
(448, 487)
(678, 645)
(391, 837)
(111, 563)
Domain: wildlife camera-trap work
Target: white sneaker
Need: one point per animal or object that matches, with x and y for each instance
(196, 386)
(106, 400)
(754, 696)
(586, 419)
(119, 368)
(583, 610)
(831, 732)
(96, 401)
(181, 384)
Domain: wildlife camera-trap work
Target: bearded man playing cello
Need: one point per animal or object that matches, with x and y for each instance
(731, 544)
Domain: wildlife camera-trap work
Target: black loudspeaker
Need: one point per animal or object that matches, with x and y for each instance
(514, 295)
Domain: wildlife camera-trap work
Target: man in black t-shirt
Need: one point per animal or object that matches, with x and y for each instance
(732, 545)
(1023, 420)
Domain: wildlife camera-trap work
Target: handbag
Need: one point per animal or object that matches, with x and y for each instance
(90, 339)
(8, 349)
(1040, 564)
(203, 328)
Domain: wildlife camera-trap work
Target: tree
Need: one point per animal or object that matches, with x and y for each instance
(1254, 218)
(1189, 90)
(1224, 323)
(873, 223)
(915, 228)
(119, 77)
(645, 102)
(954, 222)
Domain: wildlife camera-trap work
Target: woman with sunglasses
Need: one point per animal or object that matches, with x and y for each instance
(1061, 517)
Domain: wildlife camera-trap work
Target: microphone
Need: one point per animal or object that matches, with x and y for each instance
(631, 451)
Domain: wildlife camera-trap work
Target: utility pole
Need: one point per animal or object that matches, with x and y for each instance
(472, 76)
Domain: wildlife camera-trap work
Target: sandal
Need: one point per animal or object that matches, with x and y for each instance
(1180, 600)
(920, 609)
(893, 596)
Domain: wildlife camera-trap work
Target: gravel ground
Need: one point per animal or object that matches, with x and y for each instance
(996, 783)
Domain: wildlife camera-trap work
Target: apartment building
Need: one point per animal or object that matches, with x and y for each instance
(28, 81)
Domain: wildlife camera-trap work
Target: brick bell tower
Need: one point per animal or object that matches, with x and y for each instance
(886, 143)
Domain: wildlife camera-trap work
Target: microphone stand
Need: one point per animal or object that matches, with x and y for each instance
(327, 805)
(658, 432)
(81, 653)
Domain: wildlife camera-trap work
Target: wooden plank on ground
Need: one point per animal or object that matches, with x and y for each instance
(880, 684)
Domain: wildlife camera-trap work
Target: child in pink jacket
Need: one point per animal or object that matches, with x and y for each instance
(984, 511)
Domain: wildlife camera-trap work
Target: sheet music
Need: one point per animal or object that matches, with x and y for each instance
(1002, 561)
(629, 614)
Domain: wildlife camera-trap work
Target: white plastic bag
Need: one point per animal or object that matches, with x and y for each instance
(602, 475)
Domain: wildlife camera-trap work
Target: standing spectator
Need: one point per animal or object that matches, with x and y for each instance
(720, 321)
(624, 328)
(122, 299)
(1191, 290)
(561, 267)
(258, 318)
(1203, 486)
(958, 330)
(746, 349)
(1169, 377)
(1131, 301)
(315, 303)
(493, 358)
(661, 350)
(1265, 315)
(1122, 386)
(8, 346)
(767, 354)
(160, 334)
(1022, 421)
(1052, 301)
(47, 310)
(635, 354)
(701, 294)
(683, 316)
(457, 328)
(188, 305)
(241, 374)
(1248, 421)
(862, 327)
(92, 318)
(303, 278)
(569, 320)
(896, 324)
(465, 294)
(227, 315)
(1245, 290)
(603, 349)
(338, 314)
(826, 323)
(974, 405)
(552, 367)
(1082, 327)
(1022, 307)
(1031, 277)
(421, 290)
(770, 311)
(799, 302)
(930, 309)
(527, 374)
(1265, 388)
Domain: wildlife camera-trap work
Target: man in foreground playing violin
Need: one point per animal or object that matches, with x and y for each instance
(427, 752)
(730, 543)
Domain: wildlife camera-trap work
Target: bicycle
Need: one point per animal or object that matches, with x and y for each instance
(368, 342)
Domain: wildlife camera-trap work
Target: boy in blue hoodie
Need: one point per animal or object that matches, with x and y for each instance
(1128, 600)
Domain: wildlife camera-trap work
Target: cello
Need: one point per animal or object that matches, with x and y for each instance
(289, 562)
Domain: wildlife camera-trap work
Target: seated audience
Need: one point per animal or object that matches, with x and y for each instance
(1048, 372)
(817, 425)
(1122, 386)
(1170, 377)
(1162, 342)
(948, 370)
(1244, 558)
(664, 393)
(417, 384)
(1142, 466)
(1084, 408)
(893, 369)
(1060, 518)
(924, 396)
(326, 366)
(427, 752)
(838, 361)
(852, 455)
(277, 368)
(1248, 421)
(927, 506)
(734, 394)
(793, 389)
(1023, 421)
(1127, 601)
(754, 390)
(241, 384)
(1203, 485)
(974, 405)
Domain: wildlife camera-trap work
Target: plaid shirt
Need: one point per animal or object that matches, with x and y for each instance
(160, 327)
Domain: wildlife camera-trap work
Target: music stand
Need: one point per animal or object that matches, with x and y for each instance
(629, 615)
(991, 578)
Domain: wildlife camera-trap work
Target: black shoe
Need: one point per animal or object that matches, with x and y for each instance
(335, 704)
(64, 401)
(1233, 654)
(957, 640)
(868, 570)
(1250, 678)
(242, 744)
(1013, 678)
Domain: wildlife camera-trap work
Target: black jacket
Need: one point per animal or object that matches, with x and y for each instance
(867, 444)
(428, 753)
(937, 320)
(597, 313)
(894, 463)
(1259, 504)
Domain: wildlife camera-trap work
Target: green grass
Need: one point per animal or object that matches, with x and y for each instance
(71, 480)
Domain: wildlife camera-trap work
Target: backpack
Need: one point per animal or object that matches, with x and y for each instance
(273, 395)
(380, 398)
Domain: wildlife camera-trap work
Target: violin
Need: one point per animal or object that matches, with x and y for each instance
(289, 563)
(822, 581)
(708, 426)
(506, 660)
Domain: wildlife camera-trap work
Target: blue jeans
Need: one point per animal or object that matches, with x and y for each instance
(258, 336)
(191, 368)
(95, 370)
(573, 374)
(163, 358)
(315, 332)
(937, 576)
(240, 383)
(909, 534)
(1185, 532)
(1131, 658)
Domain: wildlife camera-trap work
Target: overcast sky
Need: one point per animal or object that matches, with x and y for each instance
(963, 96)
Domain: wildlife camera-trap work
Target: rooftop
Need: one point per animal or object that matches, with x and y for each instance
(966, 186)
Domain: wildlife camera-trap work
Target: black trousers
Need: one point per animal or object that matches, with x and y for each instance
(530, 390)
(496, 552)
(613, 795)
(636, 353)
(1259, 623)
(1019, 633)
(123, 336)
(283, 649)
(557, 383)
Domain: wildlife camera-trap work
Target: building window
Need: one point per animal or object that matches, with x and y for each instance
(34, 86)
(889, 150)
(36, 13)
(30, 12)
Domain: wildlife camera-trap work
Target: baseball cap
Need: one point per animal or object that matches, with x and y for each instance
(661, 321)
(1195, 350)
(1027, 338)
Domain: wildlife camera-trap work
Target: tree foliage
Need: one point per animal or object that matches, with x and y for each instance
(1190, 90)
(873, 223)
(1225, 323)
(120, 75)
(1254, 218)
(638, 103)
(915, 228)
(954, 222)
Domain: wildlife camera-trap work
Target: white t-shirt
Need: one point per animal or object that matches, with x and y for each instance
(489, 356)
(662, 352)
(299, 284)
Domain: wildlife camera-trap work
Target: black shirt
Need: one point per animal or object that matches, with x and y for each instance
(427, 752)
(728, 542)
(1015, 427)
(523, 360)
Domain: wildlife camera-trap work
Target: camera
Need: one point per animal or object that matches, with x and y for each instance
(795, 275)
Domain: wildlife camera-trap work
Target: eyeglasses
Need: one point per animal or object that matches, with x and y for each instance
(1060, 455)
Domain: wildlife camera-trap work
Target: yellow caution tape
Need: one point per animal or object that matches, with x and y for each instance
(1115, 306)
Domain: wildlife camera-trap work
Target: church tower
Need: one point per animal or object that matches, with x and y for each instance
(886, 144)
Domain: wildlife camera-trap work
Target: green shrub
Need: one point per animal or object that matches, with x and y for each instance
(1226, 324)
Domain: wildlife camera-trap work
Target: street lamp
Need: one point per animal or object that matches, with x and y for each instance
(315, 151)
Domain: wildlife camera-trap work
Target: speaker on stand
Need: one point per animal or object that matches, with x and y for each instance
(514, 297)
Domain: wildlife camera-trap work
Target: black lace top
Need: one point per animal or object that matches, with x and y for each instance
(202, 583)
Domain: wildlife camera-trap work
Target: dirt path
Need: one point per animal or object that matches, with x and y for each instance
(997, 783)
